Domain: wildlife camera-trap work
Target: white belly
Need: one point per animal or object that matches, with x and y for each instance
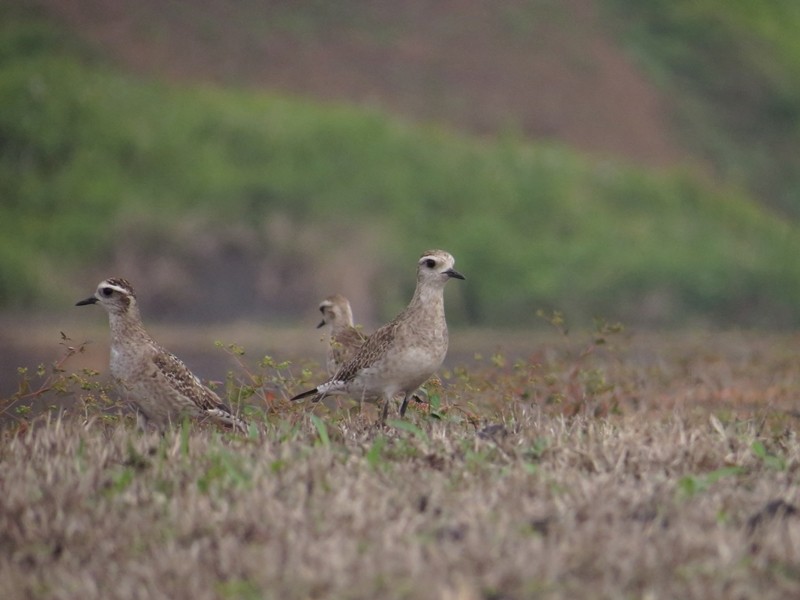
(398, 372)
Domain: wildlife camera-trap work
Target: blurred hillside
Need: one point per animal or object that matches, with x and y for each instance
(245, 159)
(545, 69)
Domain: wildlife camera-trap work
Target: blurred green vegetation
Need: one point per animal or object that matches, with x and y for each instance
(85, 149)
(732, 73)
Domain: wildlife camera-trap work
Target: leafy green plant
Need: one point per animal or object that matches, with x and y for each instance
(409, 427)
(322, 430)
(374, 455)
(239, 589)
(772, 461)
(46, 385)
(120, 480)
(223, 469)
(691, 485)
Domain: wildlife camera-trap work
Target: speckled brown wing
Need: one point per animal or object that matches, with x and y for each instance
(374, 346)
(187, 384)
(345, 344)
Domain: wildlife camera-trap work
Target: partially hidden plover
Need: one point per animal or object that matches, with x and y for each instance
(345, 339)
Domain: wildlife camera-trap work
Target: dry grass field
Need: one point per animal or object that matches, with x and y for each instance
(600, 465)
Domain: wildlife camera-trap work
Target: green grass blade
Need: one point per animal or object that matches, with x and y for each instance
(322, 430)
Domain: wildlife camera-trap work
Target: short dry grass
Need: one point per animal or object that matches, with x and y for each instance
(658, 470)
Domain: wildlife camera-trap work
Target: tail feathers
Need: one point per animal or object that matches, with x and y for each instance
(305, 394)
(229, 419)
(328, 388)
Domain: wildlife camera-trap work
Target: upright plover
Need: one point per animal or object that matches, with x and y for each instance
(160, 387)
(345, 339)
(402, 354)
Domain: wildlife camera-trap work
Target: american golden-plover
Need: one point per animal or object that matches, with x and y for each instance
(345, 339)
(160, 387)
(405, 352)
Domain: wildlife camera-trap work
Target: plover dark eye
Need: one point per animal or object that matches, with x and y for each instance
(107, 291)
(430, 263)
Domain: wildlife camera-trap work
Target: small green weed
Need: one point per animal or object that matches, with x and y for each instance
(322, 430)
(772, 461)
(691, 485)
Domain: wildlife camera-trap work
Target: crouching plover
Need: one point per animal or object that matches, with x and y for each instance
(160, 387)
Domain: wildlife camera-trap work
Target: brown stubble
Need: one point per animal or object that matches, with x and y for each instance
(533, 503)
(646, 466)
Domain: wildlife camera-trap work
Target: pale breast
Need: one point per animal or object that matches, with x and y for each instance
(124, 362)
(402, 369)
(414, 365)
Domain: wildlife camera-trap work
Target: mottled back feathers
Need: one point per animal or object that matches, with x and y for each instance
(160, 387)
(402, 354)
